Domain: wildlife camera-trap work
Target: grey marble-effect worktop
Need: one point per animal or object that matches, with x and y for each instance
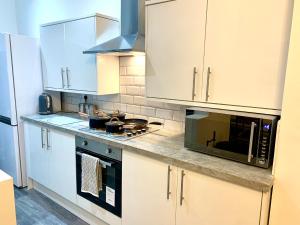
(169, 147)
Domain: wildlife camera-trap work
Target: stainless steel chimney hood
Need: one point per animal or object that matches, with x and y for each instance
(132, 38)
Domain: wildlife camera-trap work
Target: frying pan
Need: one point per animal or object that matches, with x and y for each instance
(138, 124)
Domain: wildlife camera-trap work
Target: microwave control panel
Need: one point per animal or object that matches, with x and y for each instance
(264, 142)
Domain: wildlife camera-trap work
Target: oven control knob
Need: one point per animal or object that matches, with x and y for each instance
(84, 143)
(108, 151)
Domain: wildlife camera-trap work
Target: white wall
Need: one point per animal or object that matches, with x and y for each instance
(285, 207)
(7, 16)
(32, 13)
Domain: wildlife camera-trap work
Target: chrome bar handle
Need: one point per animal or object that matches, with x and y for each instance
(47, 139)
(207, 83)
(168, 184)
(195, 72)
(181, 187)
(42, 137)
(62, 72)
(68, 80)
(253, 125)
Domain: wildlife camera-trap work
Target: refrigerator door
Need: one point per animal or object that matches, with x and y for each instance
(26, 61)
(10, 161)
(8, 113)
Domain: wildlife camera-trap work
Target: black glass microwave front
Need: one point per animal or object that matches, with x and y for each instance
(244, 139)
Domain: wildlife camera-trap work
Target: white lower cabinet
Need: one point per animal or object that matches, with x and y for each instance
(194, 199)
(52, 159)
(144, 195)
(203, 200)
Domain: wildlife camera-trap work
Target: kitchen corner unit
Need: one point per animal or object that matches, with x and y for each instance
(66, 68)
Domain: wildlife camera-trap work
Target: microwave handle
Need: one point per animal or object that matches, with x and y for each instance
(253, 125)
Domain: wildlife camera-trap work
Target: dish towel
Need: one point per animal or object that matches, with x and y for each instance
(91, 175)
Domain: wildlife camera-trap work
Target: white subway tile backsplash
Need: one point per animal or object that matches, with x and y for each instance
(164, 114)
(179, 116)
(108, 106)
(139, 100)
(140, 81)
(133, 90)
(148, 111)
(136, 70)
(128, 99)
(122, 89)
(134, 109)
(123, 70)
(132, 98)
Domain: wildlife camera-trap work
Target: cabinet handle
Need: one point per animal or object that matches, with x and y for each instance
(47, 138)
(207, 84)
(62, 72)
(42, 137)
(181, 187)
(68, 80)
(195, 72)
(168, 184)
(253, 125)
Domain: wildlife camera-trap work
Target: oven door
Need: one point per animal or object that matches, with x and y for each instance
(110, 196)
(227, 136)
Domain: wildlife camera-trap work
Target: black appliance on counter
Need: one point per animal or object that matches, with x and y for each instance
(111, 161)
(244, 137)
(45, 104)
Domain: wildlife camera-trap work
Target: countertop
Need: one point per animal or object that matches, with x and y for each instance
(169, 147)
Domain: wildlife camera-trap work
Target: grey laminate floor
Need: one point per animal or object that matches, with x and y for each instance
(34, 208)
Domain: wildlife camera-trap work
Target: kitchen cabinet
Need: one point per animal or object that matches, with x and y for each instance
(52, 45)
(208, 201)
(175, 49)
(246, 50)
(246, 44)
(145, 198)
(36, 147)
(194, 198)
(52, 159)
(62, 164)
(66, 68)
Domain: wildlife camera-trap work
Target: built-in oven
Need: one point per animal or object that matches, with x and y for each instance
(110, 159)
(244, 137)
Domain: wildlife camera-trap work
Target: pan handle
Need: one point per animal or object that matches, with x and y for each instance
(156, 123)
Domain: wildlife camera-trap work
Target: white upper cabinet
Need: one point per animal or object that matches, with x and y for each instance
(238, 48)
(53, 58)
(80, 67)
(175, 32)
(66, 68)
(246, 49)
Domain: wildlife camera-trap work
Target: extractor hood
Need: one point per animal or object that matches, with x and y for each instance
(132, 38)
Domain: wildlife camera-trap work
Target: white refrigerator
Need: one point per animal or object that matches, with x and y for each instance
(20, 86)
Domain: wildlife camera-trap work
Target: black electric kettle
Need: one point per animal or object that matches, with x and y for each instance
(45, 104)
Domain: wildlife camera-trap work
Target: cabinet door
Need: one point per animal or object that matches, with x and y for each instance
(209, 201)
(62, 164)
(174, 48)
(81, 68)
(52, 53)
(144, 194)
(246, 47)
(36, 147)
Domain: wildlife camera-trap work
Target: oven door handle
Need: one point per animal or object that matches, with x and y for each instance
(253, 125)
(104, 164)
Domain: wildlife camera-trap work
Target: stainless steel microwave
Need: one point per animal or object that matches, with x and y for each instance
(244, 137)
